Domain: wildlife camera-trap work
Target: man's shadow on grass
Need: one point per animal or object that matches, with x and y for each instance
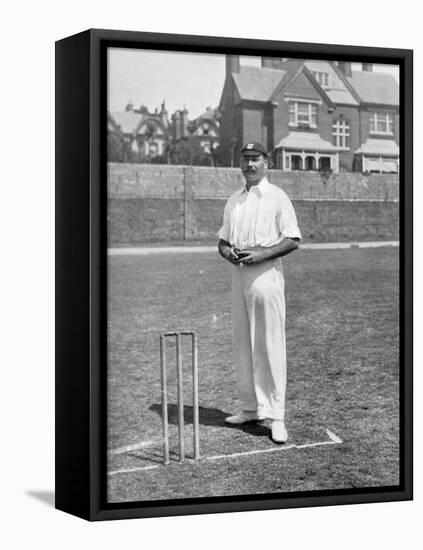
(209, 417)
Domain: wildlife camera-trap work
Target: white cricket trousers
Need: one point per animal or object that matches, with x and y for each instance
(258, 330)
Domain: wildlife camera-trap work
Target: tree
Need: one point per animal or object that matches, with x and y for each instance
(188, 151)
(115, 147)
(219, 156)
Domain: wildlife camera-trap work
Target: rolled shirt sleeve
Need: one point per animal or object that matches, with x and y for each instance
(225, 231)
(287, 220)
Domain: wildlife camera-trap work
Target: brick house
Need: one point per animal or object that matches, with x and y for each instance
(312, 115)
(205, 129)
(145, 133)
(149, 134)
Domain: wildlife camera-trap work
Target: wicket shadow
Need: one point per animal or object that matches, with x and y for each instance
(209, 417)
(153, 455)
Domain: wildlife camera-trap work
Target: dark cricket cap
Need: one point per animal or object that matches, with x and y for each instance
(252, 149)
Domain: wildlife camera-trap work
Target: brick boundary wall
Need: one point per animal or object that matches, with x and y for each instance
(160, 203)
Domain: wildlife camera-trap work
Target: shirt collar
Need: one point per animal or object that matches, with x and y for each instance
(260, 188)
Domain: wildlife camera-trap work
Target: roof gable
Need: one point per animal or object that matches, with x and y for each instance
(201, 123)
(291, 68)
(149, 124)
(339, 89)
(301, 87)
(299, 82)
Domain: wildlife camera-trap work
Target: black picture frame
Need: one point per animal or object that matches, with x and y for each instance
(81, 273)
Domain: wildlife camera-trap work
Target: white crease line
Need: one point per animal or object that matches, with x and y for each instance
(247, 453)
(131, 470)
(137, 251)
(334, 440)
(319, 444)
(334, 437)
(133, 447)
(358, 244)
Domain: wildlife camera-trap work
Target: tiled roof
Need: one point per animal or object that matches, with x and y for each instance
(305, 141)
(341, 96)
(372, 87)
(291, 66)
(382, 147)
(210, 114)
(127, 120)
(257, 83)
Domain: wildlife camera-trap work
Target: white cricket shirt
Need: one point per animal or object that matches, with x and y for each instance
(262, 216)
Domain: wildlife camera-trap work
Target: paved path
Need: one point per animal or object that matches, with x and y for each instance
(136, 251)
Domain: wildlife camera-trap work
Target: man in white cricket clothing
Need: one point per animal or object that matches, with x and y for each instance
(259, 227)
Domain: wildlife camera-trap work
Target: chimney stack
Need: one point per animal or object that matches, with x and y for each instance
(271, 62)
(184, 122)
(176, 119)
(345, 67)
(232, 64)
(163, 114)
(368, 67)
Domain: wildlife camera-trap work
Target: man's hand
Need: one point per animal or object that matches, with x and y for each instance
(228, 252)
(253, 255)
(258, 254)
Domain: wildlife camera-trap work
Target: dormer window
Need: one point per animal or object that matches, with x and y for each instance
(381, 123)
(322, 78)
(302, 114)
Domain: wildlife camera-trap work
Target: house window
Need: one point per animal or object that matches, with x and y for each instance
(206, 130)
(381, 123)
(153, 148)
(322, 78)
(341, 133)
(302, 114)
(206, 146)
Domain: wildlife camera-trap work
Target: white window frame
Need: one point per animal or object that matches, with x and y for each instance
(383, 117)
(293, 104)
(342, 133)
(322, 78)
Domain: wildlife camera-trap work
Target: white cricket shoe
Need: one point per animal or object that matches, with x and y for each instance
(243, 417)
(279, 433)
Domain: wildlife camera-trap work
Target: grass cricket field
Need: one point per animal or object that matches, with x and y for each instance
(342, 330)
